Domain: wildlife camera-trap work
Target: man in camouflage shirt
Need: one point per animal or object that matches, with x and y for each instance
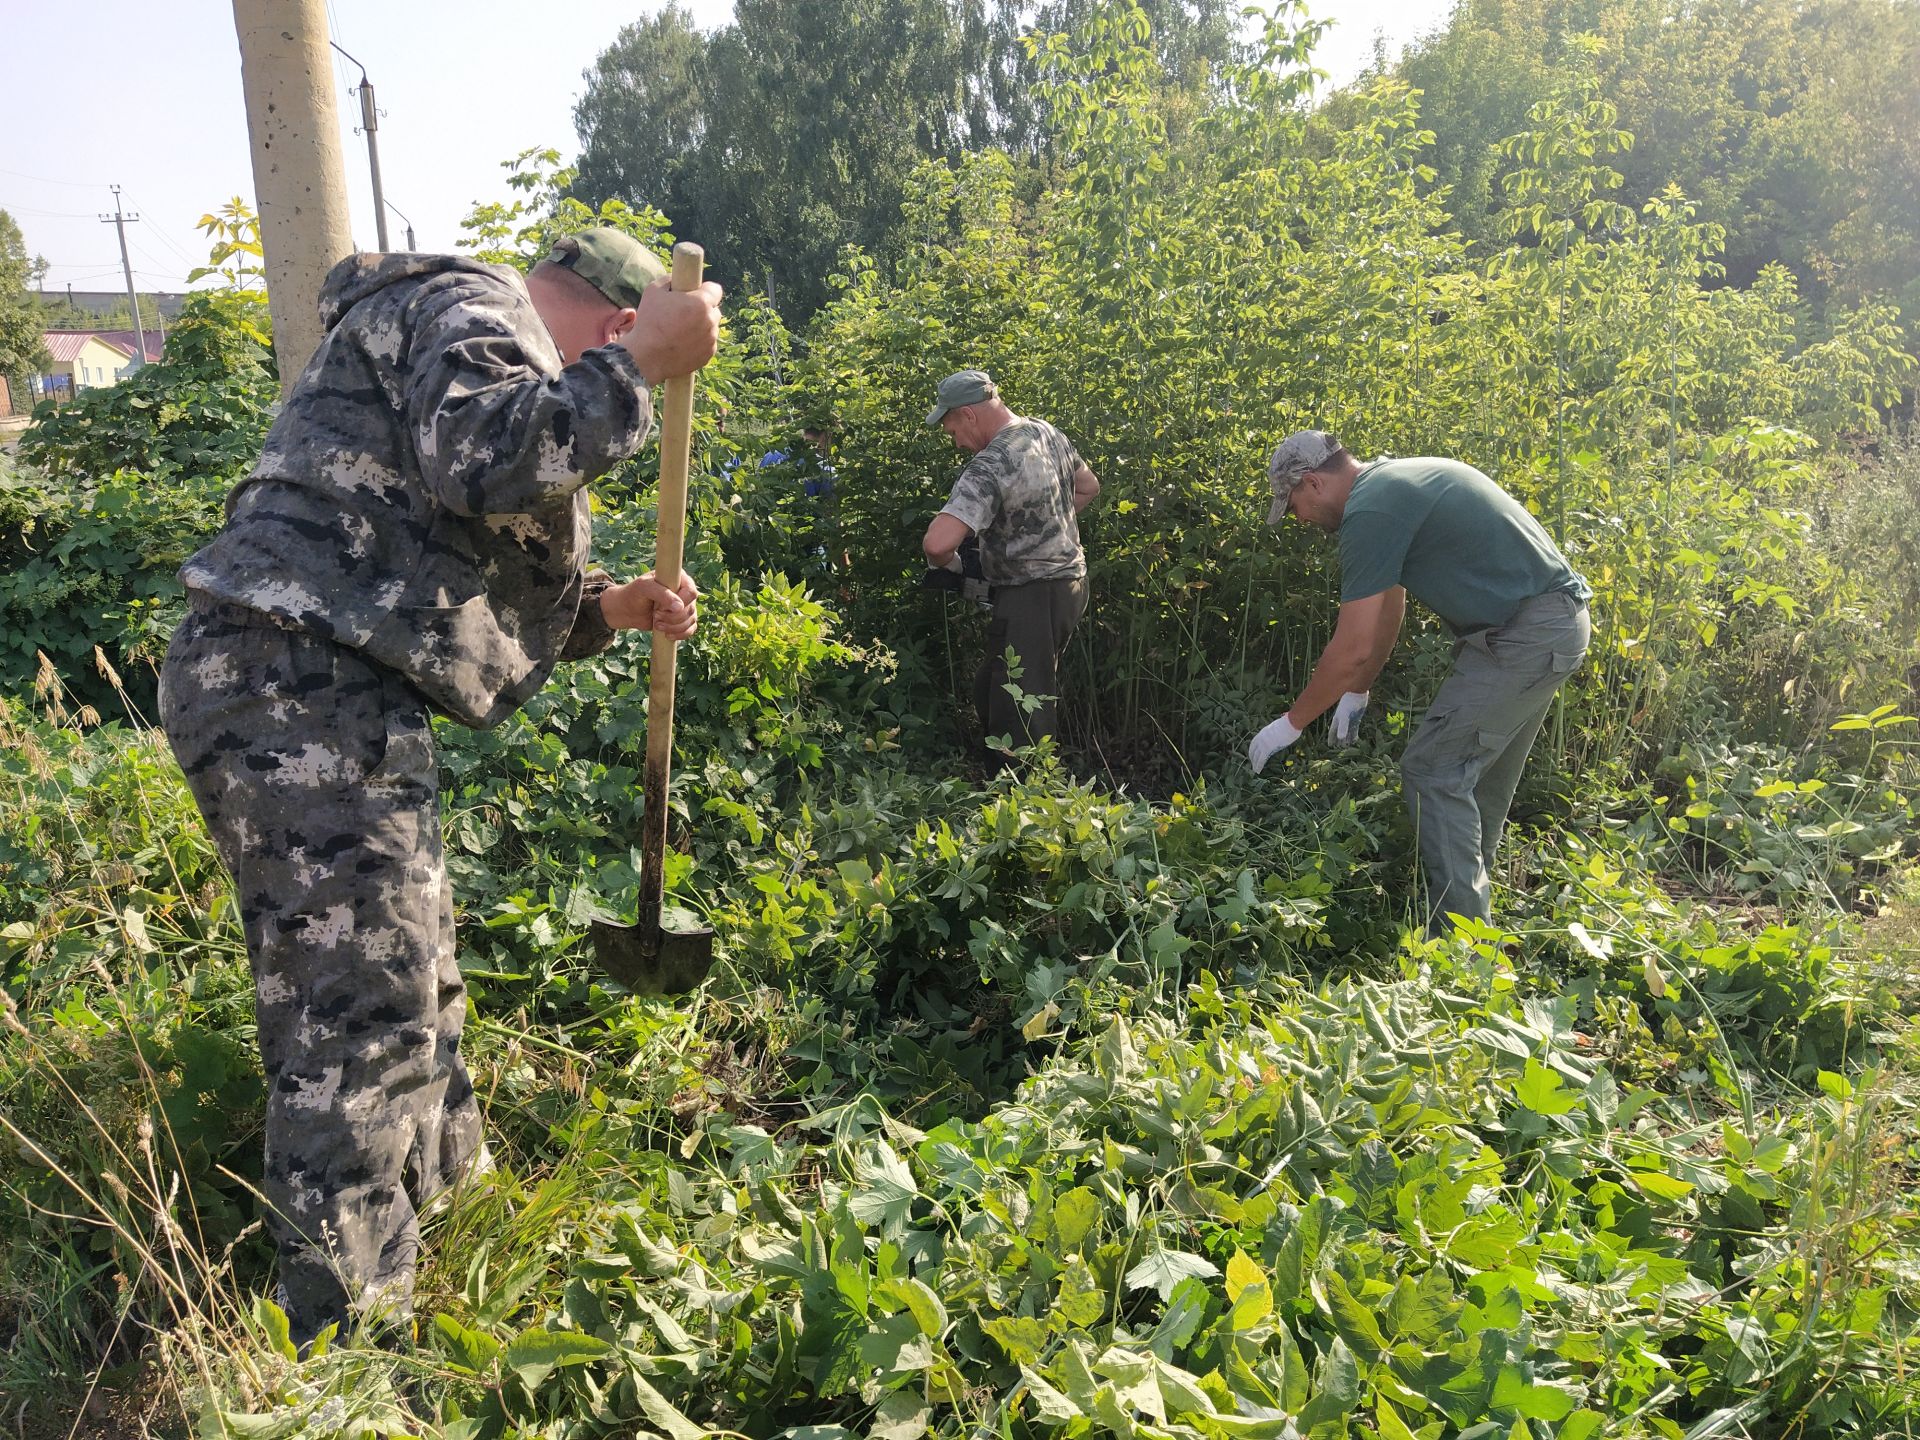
(413, 540)
(1022, 494)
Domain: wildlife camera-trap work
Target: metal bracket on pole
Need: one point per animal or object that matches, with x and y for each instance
(370, 123)
(403, 215)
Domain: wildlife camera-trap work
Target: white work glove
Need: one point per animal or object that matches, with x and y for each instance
(1276, 737)
(1347, 716)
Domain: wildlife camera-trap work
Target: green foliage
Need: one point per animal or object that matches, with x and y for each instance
(1788, 122)
(1481, 1193)
(93, 567)
(1044, 1103)
(199, 413)
(521, 231)
(117, 489)
(237, 256)
(1178, 307)
(1867, 522)
(21, 350)
(1292, 1209)
(56, 313)
(793, 131)
(781, 135)
(1773, 829)
(135, 1075)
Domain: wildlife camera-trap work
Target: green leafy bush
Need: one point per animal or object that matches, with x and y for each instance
(89, 562)
(202, 411)
(116, 490)
(1771, 827)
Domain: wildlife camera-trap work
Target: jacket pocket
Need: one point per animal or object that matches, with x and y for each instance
(457, 656)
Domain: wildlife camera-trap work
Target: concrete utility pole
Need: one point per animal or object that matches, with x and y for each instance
(298, 177)
(370, 122)
(119, 223)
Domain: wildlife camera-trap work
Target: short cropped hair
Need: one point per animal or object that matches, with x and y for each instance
(577, 288)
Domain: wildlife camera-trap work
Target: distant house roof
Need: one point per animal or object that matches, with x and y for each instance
(129, 341)
(66, 345)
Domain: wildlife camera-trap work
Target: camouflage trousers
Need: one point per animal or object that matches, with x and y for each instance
(315, 771)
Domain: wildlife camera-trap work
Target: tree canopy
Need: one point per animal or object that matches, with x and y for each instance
(21, 349)
(1793, 124)
(783, 137)
(789, 134)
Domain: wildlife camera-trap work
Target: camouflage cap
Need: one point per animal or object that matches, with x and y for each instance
(612, 261)
(963, 387)
(1300, 452)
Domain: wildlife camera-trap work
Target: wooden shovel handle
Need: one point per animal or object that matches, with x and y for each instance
(676, 441)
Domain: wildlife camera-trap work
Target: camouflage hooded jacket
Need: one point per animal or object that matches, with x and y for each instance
(421, 496)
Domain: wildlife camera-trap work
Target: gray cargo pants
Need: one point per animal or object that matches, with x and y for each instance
(314, 769)
(1464, 762)
(1037, 620)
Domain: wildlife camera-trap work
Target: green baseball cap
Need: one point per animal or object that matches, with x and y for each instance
(963, 387)
(612, 261)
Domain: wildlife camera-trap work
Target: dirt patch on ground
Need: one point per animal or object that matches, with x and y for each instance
(1896, 929)
(136, 1402)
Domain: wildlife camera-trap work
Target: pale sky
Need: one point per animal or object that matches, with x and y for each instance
(146, 94)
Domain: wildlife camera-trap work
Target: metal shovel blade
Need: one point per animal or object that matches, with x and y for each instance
(650, 959)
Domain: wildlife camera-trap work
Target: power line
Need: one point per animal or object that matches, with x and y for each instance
(43, 180)
(150, 256)
(164, 234)
(370, 125)
(47, 214)
(333, 29)
(107, 274)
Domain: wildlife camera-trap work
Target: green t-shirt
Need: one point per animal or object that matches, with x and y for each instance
(1461, 545)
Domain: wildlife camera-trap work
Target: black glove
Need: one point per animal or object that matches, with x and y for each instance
(969, 580)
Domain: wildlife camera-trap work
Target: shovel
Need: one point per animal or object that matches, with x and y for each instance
(645, 956)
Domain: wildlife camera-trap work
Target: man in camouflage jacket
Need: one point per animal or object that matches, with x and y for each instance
(1022, 494)
(412, 540)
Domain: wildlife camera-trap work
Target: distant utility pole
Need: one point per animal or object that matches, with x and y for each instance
(120, 223)
(370, 122)
(294, 129)
(403, 215)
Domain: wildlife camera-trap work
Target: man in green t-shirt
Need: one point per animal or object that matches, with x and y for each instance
(1022, 494)
(1472, 554)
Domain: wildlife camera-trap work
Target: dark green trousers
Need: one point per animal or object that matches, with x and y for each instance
(1036, 620)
